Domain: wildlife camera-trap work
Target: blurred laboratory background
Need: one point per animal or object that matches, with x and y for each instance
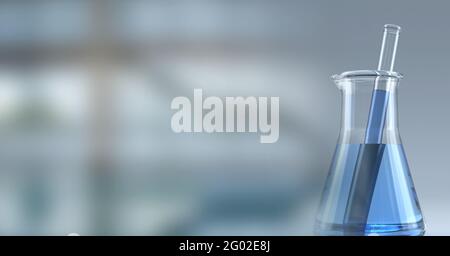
(85, 90)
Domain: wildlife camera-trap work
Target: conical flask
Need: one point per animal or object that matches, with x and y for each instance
(369, 189)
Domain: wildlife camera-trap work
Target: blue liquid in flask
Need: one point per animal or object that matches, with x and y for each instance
(394, 208)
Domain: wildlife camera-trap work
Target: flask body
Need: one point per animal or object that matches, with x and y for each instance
(369, 189)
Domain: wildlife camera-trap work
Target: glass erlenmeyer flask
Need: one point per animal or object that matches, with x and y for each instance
(369, 189)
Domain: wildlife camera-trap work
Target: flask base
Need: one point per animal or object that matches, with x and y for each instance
(406, 229)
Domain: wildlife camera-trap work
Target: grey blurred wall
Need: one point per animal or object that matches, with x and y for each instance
(86, 88)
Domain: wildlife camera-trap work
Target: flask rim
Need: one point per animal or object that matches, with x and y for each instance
(368, 74)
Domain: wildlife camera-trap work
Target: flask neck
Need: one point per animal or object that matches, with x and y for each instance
(355, 107)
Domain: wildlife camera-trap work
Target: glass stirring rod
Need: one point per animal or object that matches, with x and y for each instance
(380, 96)
(371, 152)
